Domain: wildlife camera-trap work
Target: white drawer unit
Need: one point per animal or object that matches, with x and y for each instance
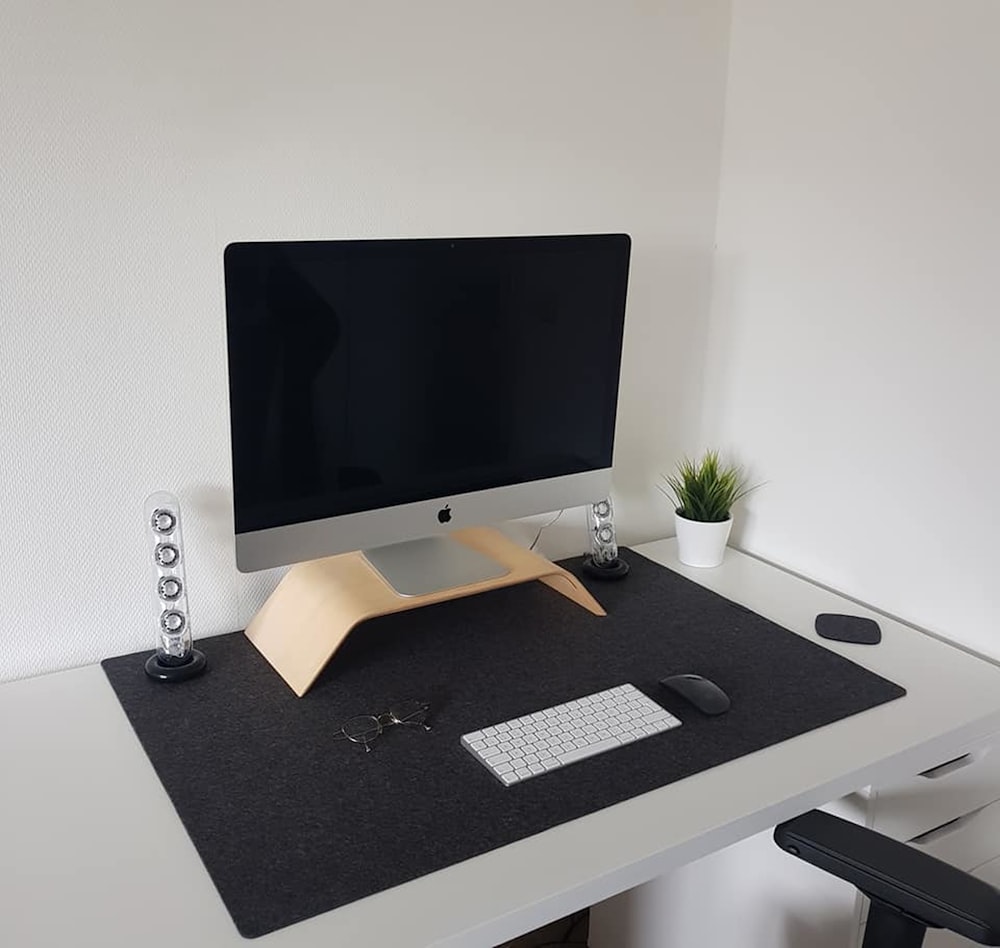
(954, 788)
(990, 873)
(968, 842)
(951, 812)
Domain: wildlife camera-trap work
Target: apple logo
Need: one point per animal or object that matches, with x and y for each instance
(444, 514)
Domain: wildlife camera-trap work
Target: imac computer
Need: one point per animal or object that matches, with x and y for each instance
(385, 392)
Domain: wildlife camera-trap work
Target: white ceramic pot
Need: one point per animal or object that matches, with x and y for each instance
(701, 544)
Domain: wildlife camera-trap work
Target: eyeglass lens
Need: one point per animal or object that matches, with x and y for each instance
(362, 729)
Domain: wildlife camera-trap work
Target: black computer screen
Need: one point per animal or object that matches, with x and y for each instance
(370, 373)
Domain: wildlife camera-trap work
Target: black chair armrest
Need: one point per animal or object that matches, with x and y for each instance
(887, 871)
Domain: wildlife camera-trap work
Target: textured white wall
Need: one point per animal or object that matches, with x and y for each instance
(139, 138)
(855, 327)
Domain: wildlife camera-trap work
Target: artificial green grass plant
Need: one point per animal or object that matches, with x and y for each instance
(706, 490)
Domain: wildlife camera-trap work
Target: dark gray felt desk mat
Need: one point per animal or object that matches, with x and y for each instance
(291, 823)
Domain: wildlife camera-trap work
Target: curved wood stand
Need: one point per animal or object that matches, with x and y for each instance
(318, 603)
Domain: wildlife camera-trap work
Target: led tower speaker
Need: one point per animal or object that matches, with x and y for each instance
(603, 561)
(175, 657)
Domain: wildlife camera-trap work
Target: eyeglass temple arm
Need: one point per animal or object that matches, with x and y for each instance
(425, 709)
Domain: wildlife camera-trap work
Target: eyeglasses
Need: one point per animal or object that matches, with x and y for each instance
(364, 728)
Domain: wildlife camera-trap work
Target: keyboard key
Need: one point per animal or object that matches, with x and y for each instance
(588, 750)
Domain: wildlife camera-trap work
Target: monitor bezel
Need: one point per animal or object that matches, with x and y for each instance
(301, 541)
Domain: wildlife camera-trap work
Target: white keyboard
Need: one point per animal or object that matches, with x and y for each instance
(546, 740)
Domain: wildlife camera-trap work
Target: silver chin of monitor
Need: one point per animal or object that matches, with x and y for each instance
(294, 543)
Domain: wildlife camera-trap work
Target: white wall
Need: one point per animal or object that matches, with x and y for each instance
(139, 138)
(856, 327)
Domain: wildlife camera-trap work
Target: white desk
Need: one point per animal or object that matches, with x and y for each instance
(92, 853)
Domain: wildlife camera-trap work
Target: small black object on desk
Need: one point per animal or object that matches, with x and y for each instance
(699, 691)
(160, 666)
(857, 630)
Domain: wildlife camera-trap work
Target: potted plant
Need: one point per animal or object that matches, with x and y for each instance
(703, 493)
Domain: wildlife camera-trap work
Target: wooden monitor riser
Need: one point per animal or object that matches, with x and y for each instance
(317, 604)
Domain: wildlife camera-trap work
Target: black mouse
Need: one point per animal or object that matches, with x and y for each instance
(705, 695)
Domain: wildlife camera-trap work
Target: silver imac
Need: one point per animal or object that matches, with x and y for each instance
(385, 392)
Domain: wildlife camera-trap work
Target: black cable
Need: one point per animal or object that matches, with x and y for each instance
(545, 527)
(582, 916)
(574, 923)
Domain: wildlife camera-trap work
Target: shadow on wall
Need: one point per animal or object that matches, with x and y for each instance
(213, 506)
(743, 524)
(662, 384)
(208, 524)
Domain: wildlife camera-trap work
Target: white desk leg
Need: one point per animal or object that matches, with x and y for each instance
(750, 895)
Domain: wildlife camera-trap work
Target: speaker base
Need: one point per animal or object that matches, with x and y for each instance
(190, 669)
(616, 570)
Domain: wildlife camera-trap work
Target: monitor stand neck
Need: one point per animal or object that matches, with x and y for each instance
(429, 565)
